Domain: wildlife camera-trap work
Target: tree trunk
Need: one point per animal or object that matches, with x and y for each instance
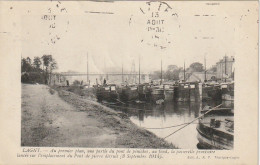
(46, 75)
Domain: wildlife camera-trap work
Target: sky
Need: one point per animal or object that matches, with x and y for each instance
(116, 34)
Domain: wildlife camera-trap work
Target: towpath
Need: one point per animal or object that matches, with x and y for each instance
(63, 119)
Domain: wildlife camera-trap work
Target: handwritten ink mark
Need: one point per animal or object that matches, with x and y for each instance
(142, 10)
(168, 6)
(130, 20)
(108, 1)
(175, 14)
(162, 47)
(98, 12)
(148, 3)
(159, 7)
(63, 9)
(53, 41)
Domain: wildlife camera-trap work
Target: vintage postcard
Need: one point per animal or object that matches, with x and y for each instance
(129, 82)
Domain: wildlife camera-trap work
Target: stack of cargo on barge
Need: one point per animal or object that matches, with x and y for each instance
(227, 91)
(187, 91)
(107, 92)
(211, 91)
(218, 91)
(144, 92)
(168, 92)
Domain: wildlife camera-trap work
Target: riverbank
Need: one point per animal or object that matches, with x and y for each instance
(63, 119)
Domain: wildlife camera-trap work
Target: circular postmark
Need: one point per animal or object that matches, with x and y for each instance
(56, 21)
(155, 21)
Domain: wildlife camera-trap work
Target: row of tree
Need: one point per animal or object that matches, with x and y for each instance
(38, 70)
(173, 71)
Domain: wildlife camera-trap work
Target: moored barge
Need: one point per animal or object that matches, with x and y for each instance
(128, 93)
(107, 92)
(211, 91)
(216, 129)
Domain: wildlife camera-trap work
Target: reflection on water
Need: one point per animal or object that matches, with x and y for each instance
(170, 114)
(225, 104)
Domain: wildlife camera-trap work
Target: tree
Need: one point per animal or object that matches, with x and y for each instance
(196, 67)
(213, 68)
(172, 68)
(29, 61)
(156, 75)
(26, 66)
(53, 65)
(32, 73)
(37, 62)
(172, 72)
(50, 65)
(46, 61)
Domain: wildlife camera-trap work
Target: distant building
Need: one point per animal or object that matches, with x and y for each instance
(197, 76)
(225, 68)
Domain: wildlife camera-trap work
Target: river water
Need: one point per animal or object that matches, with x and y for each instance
(156, 117)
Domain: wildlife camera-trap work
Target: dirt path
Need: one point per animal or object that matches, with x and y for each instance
(63, 119)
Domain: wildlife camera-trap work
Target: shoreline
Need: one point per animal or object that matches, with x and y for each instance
(128, 134)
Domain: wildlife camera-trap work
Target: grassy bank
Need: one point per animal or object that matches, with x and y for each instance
(128, 134)
(88, 93)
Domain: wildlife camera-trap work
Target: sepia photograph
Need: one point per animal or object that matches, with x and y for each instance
(129, 82)
(128, 79)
